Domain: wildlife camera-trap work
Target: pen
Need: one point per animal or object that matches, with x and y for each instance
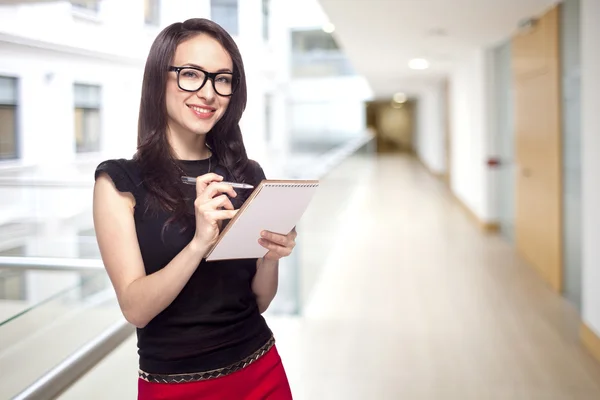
(192, 181)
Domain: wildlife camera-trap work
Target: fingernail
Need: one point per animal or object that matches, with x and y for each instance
(263, 233)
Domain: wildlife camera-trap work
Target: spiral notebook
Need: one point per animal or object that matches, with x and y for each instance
(274, 205)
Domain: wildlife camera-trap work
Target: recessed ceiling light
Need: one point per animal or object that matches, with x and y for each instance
(329, 27)
(400, 98)
(418, 63)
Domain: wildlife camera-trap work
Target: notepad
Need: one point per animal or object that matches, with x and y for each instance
(274, 205)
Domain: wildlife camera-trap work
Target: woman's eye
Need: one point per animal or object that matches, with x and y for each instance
(190, 74)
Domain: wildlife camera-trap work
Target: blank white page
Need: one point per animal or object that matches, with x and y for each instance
(277, 206)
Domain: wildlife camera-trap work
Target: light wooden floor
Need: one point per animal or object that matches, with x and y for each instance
(414, 303)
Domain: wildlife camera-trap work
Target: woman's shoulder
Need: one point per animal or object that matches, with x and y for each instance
(255, 171)
(125, 173)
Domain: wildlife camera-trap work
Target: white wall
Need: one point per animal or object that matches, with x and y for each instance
(58, 46)
(430, 133)
(46, 108)
(329, 107)
(305, 14)
(470, 132)
(267, 68)
(117, 29)
(590, 136)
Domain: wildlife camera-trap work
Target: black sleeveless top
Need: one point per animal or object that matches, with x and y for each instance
(214, 321)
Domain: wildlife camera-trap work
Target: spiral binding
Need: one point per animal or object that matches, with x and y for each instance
(292, 184)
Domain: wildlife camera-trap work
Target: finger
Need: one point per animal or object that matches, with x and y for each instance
(282, 240)
(293, 234)
(216, 188)
(214, 203)
(274, 247)
(219, 215)
(220, 201)
(204, 180)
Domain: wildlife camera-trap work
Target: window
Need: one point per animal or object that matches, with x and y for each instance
(315, 53)
(313, 41)
(152, 12)
(225, 13)
(85, 5)
(266, 5)
(8, 118)
(87, 118)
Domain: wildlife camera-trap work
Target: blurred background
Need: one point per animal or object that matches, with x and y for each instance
(451, 251)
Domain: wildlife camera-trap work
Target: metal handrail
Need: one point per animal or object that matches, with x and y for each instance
(51, 264)
(77, 364)
(71, 369)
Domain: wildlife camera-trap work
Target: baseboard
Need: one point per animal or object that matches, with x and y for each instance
(437, 175)
(485, 226)
(590, 340)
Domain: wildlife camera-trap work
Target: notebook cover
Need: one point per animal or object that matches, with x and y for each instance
(274, 205)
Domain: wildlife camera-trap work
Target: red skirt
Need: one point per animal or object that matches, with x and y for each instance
(263, 379)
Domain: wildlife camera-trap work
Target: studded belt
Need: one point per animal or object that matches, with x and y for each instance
(215, 373)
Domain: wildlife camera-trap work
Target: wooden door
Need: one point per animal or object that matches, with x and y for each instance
(538, 211)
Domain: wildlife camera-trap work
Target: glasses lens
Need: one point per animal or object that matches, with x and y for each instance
(224, 84)
(190, 79)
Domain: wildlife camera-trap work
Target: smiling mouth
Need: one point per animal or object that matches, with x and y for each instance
(202, 110)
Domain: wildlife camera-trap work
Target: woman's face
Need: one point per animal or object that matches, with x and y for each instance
(195, 113)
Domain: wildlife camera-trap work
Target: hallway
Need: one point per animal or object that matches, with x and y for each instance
(414, 303)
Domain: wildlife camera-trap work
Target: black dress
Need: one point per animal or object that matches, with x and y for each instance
(214, 322)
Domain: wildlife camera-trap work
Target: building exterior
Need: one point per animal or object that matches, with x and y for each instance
(70, 72)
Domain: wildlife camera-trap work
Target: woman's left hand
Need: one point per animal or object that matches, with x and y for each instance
(279, 246)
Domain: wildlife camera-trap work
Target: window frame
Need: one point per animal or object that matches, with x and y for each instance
(80, 6)
(153, 18)
(15, 106)
(94, 106)
(266, 15)
(227, 4)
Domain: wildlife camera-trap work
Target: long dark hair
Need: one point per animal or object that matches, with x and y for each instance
(154, 154)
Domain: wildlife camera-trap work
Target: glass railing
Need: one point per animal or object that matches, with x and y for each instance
(55, 296)
(56, 300)
(37, 336)
(18, 294)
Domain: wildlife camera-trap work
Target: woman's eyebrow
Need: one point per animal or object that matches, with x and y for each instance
(204, 69)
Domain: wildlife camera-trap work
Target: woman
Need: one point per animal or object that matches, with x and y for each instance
(200, 331)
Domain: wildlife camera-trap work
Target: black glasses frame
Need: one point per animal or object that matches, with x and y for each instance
(207, 75)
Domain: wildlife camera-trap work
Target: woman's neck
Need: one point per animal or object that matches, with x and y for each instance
(188, 147)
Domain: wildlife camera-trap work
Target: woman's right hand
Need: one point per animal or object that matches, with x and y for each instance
(211, 207)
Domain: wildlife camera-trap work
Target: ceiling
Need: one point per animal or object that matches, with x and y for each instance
(381, 36)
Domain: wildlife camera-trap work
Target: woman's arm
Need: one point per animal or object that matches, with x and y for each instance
(142, 297)
(265, 282)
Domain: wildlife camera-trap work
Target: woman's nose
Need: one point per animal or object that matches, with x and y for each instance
(207, 91)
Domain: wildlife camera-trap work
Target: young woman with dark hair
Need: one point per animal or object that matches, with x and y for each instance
(200, 331)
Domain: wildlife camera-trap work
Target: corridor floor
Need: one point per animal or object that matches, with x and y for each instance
(414, 302)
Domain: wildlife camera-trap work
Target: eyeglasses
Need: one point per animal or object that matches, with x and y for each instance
(192, 79)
